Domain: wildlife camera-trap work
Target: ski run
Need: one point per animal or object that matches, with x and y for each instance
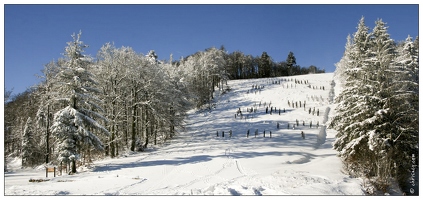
(288, 150)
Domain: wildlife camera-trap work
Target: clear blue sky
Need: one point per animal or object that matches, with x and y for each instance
(37, 34)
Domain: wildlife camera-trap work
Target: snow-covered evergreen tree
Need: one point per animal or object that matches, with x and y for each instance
(152, 56)
(343, 64)
(352, 109)
(405, 109)
(380, 79)
(377, 109)
(73, 125)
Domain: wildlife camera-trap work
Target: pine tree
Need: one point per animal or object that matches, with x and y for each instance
(380, 127)
(73, 125)
(343, 65)
(265, 64)
(377, 109)
(352, 107)
(405, 112)
(290, 62)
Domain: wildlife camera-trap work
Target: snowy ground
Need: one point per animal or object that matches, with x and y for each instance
(197, 162)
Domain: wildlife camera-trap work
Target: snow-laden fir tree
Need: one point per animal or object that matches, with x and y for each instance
(380, 128)
(377, 109)
(74, 125)
(352, 107)
(340, 73)
(405, 109)
(290, 62)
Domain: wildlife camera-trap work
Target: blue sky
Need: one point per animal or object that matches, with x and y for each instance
(37, 34)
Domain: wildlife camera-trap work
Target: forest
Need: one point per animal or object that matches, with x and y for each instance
(86, 108)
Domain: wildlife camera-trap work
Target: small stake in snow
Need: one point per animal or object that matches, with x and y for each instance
(302, 135)
(248, 132)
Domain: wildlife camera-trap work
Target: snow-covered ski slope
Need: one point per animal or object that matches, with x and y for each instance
(199, 161)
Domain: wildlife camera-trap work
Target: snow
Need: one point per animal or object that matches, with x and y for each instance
(197, 162)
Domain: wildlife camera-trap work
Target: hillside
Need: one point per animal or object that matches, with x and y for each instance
(200, 161)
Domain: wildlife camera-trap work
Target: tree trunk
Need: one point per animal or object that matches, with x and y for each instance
(134, 108)
(73, 166)
(147, 119)
(48, 135)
